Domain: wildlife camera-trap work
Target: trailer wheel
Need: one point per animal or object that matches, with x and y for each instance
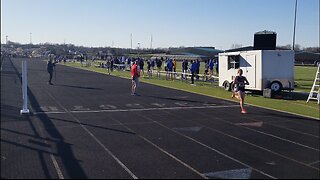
(276, 86)
(226, 86)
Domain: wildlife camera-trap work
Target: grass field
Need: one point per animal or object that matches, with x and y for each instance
(303, 75)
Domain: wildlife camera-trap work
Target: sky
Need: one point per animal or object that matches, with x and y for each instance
(170, 23)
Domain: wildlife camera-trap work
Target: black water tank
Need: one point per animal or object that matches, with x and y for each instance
(265, 40)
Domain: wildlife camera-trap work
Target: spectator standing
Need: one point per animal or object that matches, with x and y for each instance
(211, 66)
(108, 66)
(149, 68)
(169, 69)
(159, 64)
(141, 65)
(185, 68)
(50, 67)
(197, 68)
(192, 71)
(206, 70)
(217, 67)
(135, 74)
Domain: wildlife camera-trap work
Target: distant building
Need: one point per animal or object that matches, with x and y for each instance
(303, 57)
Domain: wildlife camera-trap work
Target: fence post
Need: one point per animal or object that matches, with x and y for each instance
(25, 109)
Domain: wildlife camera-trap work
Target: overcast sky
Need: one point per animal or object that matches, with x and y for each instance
(172, 23)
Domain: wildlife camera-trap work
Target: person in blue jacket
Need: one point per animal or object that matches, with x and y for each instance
(197, 68)
(192, 71)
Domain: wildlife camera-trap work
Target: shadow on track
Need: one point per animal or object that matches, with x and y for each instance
(64, 150)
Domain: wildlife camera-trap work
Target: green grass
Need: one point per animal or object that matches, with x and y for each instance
(304, 77)
(297, 106)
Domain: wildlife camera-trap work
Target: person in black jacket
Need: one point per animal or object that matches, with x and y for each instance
(50, 67)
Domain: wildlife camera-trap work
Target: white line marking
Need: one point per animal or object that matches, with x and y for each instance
(175, 158)
(108, 151)
(221, 153)
(316, 162)
(254, 145)
(56, 166)
(299, 132)
(231, 174)
(267, 134)
(53, 159)
(133, 110)
(244, 141)
(162, 150)
(107, 106)
(96, 139)
(189, 129)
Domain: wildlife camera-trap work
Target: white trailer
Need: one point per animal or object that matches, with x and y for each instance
(272, 69)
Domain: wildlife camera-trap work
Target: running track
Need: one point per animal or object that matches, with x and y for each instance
(88, 125)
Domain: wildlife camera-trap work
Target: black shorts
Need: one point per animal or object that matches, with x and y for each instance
(242, 89)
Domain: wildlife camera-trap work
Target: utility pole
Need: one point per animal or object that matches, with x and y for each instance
(7, 39)
(294, 26)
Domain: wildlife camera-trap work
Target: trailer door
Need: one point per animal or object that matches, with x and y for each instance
(250, 70)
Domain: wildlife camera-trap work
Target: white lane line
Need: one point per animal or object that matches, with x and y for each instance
(289, 129)
(267, 134)
(270, 151)
(244, 141)
(133, 110)
(109, 152)
(96, 139)
(162, 150)
(204, 145)
(53, 159)
(231, 174)
(316, 162)
(56, 166)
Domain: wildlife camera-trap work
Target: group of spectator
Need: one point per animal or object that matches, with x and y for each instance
(168, 64)
(170, 67)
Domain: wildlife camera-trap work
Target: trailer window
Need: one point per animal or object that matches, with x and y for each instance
(233, 62)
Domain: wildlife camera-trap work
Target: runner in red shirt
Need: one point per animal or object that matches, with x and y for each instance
(135, 74)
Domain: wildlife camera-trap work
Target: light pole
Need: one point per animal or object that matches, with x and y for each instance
(294, 26)
(7, 39)
(138, 50)
(30, 39)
